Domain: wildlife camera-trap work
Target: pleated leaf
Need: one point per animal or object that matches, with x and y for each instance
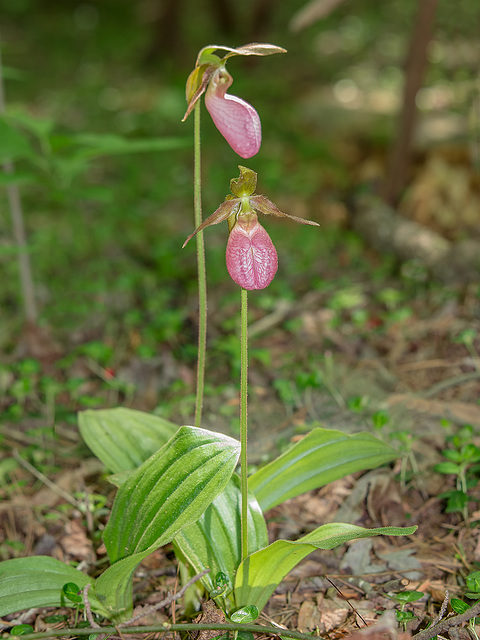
(36, 581)
(123, 438)
(213, 542)
(260, 574)
(169, 491)
(320, 457)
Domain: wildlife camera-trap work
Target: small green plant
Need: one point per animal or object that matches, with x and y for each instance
(463, 462)
(472, 582)
(403, 598)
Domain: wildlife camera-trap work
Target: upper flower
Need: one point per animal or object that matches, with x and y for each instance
(237, 121)
(251, 256)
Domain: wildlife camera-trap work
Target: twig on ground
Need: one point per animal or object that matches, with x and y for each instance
(46, 481)
(88, 609)
(443, 608)
(166, 602)
(448, 623)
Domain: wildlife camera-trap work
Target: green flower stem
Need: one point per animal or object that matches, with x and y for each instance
(243, 418)
(165, 628)
(202, 277)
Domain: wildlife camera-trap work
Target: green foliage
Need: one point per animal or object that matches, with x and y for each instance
(167, 492)
(463, 462)
(148, 511)
(36, 581)
(259, 575)
(322, 456)
(214, 540)
(472, 582)
(403, 598)
(21, 630)
(123, 438)
(14, 145)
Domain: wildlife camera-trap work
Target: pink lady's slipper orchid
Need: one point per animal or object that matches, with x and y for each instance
(251, 256)
(237, 121)
(252, 260)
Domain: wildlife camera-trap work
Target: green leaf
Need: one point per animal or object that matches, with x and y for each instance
(71, 591)
(456, 501)
(213, 542)
(459, 606)
(246, 614)
(452, 454)
(36, 581)
(114, 587)
(13, 144)
(123, 438)
(259, 575)
(447, 467)
(322, 456)
(407, 596)
(21, 630)
(473, 581)
(167, 492)
(404, 616)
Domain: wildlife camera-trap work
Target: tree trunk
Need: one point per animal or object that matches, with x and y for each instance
(415, 68)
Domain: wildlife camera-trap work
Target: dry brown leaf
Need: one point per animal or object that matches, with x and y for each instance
(309, 617)
(385, 628)
(460, 412)
(334, 612)
(75, 542)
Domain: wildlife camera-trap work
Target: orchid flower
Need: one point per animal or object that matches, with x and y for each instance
(237, 121)
(251, 255)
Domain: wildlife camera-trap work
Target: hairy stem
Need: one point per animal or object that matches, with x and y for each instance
(202, 278)
(243, 418)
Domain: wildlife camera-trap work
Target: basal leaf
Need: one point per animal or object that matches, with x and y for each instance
(36, 581)
(114, 587)
(322, 456)
(260, 574)
(169, 491)
(213, 542)
(123, 438)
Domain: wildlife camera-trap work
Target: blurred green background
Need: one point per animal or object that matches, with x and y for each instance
(105, 222)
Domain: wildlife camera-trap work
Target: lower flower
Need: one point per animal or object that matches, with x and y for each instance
(251, 256)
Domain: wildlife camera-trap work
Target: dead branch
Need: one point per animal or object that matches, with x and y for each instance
(445, 625)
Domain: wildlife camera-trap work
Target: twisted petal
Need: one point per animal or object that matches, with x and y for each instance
(237, 121)
(251, 256)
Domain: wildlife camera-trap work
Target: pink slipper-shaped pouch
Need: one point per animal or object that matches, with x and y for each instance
(237, 121)
(251, 256)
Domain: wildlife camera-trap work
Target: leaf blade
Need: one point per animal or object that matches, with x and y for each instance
(259, 575)
(123, 438)
(35, 581)
(214, 541)
(322, 456)
(169, 490)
